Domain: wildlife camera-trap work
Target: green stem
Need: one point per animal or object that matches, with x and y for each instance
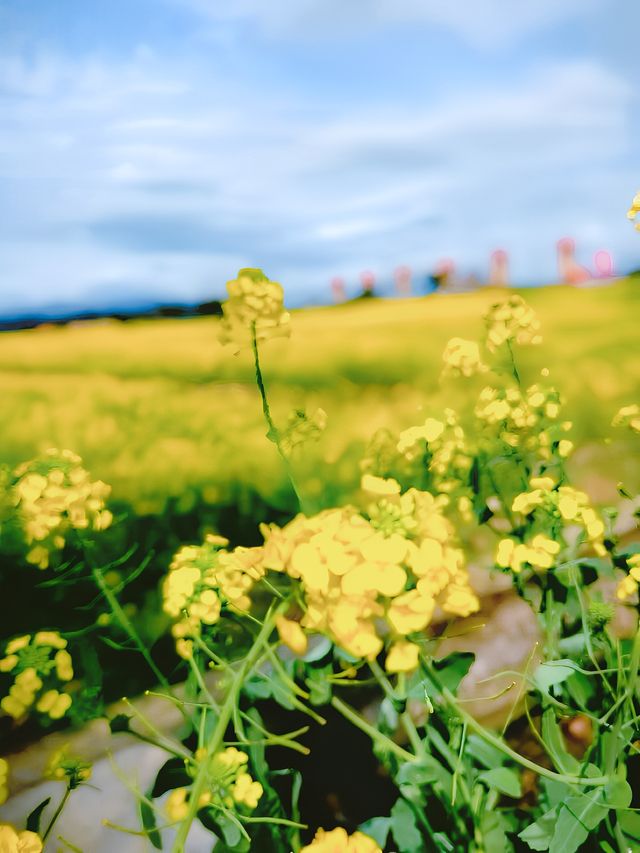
(57, 814)
(217, 736)
(498, 743)
(273, 433)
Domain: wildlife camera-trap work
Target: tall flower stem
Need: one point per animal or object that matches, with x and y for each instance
(273, 434)
(57, 813)
(217, 737)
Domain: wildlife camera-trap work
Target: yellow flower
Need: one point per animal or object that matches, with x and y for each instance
(634, 209)
(462, 357)
(246, 791)
(255, 306)
(379, 485)
(628, 586)
(292, 635)
(338, 841)
(402, 657)
(63, 766)
(628, 416)
(50, 638)
(176, 806)
(54, 704)
(13, 841)
(512, 321)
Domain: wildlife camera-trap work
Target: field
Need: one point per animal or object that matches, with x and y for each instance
(161, 410)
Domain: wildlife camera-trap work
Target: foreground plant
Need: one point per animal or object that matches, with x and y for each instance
(348, 605)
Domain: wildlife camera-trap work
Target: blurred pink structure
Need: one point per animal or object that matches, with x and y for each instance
(402, 277)
(499, 268)
(338, 289)
(368, 281)
(603, 263)
(444, 273)
(569, 271)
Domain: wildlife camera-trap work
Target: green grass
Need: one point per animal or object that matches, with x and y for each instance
(159, 408)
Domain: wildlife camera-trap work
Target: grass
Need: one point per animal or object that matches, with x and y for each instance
(160, 409)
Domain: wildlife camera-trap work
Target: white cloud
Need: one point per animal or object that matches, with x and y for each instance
(481, 23)
(159, 180)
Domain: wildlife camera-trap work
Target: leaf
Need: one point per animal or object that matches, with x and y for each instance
(551, 673)
(630, 824)
(405, 831)
(538, 835)
(171, 775)
(148, 817)
(120, 723)
(453, 669)
(493, 832)
(504, 780)
(555, 745)
(413, 777)
(377, 828)
(319, 647)
(33, 821)
(320, 689)
(483, 752)
(618, 794)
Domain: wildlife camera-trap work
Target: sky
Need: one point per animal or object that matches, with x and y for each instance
(151, 148)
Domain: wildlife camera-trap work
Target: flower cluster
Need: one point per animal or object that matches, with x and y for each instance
(337, 841)
(628, 586)
(230, 785)
(634, 210)
(54, 494)
(548, 507)
(512, 321)
(301, 428)
(64, 767)
(201, 579)
(462, 358)
(40, 666)
(628, 416)
(526, 419)
(18, 841)
(255, 306)
(368, 578)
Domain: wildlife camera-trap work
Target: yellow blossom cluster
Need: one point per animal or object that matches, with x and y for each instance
(365, 579)
(201, 579)
(18, 841)
(64, 767)
(540, 553)
(512, 321)
(40, 664)
(301, 428)
(54, 494)
(634, 210)
(230, 785)
(462, 358)
(628, 586)
(255, 306)
(338, 841)
(4, 780)
(526, 419)
(628, 416)
(549, 503)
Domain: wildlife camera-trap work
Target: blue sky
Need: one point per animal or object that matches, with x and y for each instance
(150, 148)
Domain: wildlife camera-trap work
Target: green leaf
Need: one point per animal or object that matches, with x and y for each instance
(120, 723)
(504, 780)
(577, 816)
(405, 832)
(453, 669)
(320, 689)
(555, 745)
(551, 673)
(377, 828)
(33, 821)
(538, 835)
(618, 794)
(171, 775)
(319, 647)
(630, 825)
(148, 817)
(416, 776)
(494, 837)
(483, 752)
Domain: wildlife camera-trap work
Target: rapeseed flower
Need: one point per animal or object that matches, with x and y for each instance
(628, 586)
(254, 307)
(18, 841)
(53, 494)
(338, 841)
(634, 210)
(512, 321)
(4, 780)
(64, 767)
(462, 358)
(628, 416)
(40, 665)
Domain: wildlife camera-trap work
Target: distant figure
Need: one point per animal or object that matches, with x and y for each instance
(338, 289)
(443, 274)
(499, 269)
(569, 271)
(402, 277)
(603, 262)
(368, 282)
